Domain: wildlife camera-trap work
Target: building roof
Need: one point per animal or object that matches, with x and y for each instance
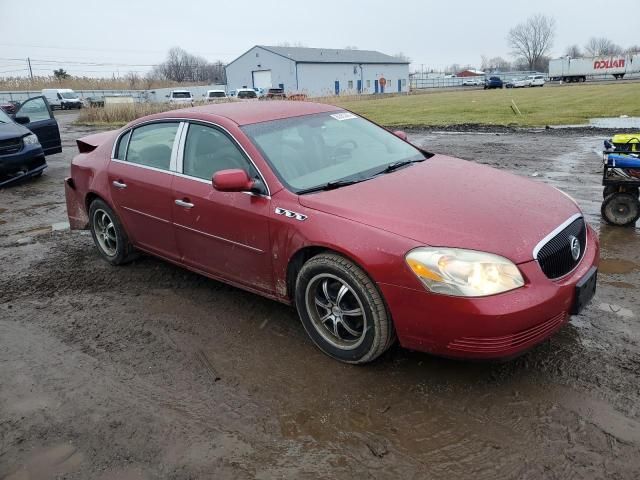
(332, 55)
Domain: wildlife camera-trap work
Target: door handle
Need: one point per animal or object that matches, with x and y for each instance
(119, 184)
(184, 203)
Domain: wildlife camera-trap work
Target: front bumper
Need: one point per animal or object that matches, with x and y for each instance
(500, 326)
(28, 162)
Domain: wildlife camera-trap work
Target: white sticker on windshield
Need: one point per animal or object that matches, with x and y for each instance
(343, 116)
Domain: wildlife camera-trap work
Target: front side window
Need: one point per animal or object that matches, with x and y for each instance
(35, 108)
(69, 95)
(208, 150)
(151, 145)
(312, 150)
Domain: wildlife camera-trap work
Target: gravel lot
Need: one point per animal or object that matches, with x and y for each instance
(149, 371)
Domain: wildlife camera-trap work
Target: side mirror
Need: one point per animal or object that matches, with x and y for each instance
(22, 120)
(232, 180)
(167, 96)
(400, 134)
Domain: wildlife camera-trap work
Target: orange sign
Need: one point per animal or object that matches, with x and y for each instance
(382, 81)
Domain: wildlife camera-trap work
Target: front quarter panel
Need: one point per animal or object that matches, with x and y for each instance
(379, 253)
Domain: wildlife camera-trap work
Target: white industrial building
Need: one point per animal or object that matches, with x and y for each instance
(318, 71)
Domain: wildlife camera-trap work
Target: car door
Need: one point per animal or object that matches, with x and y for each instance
(40, 120)
(225, 234)
(140, 176)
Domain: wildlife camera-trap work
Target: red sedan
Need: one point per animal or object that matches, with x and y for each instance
(370, 237)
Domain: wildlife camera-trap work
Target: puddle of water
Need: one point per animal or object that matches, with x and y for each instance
(617, 266)
(617, 310)
(615, 122)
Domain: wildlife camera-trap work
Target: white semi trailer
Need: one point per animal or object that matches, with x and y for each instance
(570, 69)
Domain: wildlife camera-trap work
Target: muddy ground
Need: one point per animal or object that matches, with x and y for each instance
(149, 371)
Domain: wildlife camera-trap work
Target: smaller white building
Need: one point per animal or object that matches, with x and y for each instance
(318, 71)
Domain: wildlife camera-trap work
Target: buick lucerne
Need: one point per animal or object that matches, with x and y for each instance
(371, 238)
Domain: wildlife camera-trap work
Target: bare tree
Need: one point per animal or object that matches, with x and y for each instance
(598, 46)
(351, 47)
(402, 56)
(633, 49)
(495, 64)
(181, 66)
(532, 39)
(573, 51)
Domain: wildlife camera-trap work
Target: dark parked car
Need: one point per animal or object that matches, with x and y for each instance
(370, 237)
(493, 82)
(25, 138)
(275, 94)
(9, 107)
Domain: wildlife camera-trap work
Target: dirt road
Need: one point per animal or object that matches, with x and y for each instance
(149, 371)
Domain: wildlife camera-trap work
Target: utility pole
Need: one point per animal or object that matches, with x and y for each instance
(30, 70)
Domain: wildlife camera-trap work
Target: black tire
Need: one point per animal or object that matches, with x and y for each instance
(610, 189)
(360, 338)
(621, 209)
(122, 251)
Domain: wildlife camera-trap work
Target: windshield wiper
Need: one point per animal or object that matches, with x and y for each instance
(329, 186)
(392, 167)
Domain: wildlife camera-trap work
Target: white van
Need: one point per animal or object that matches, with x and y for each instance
(180, 96)
(215, 95)
(62, 98)
(536, 80)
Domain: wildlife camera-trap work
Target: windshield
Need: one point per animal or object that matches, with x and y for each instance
(313, 150)
(181, 94)
(246, 94)
(69, 95)
(217, 94)
(4, 118)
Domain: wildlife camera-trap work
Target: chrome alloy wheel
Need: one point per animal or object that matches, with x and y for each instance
(336, 311)
(105, 232)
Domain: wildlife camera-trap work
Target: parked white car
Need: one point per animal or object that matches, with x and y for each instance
(473, 82)
(536, 80)
(62, 98)
(520, 82)
(243, 93)
(214, 95)
(180, 96)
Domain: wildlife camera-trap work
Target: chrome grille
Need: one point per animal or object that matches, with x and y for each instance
(555, 256)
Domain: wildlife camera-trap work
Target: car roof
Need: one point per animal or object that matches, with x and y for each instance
(243, 113)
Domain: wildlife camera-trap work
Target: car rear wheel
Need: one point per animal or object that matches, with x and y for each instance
(621, 209)
(342, 310)
(108, 234)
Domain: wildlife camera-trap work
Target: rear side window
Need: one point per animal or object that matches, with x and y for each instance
(151, 145)
(122, 146)
(208, 150)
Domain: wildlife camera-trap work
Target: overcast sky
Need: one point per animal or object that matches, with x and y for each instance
(134, 34)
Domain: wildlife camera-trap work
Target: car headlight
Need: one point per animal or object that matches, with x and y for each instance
(30, 139)
(463, 273)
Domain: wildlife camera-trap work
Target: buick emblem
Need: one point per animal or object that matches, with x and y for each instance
(574, 245)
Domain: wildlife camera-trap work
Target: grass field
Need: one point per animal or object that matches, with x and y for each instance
(557, 105)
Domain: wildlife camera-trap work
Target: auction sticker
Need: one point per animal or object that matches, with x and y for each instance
(343, 116)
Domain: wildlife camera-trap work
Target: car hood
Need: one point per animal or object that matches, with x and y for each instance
(12, 130)
(446, 201)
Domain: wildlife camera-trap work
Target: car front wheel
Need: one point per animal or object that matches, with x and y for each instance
(342, 310)
(108, 234)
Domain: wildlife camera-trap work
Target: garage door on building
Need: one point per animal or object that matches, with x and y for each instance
(262, 79)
